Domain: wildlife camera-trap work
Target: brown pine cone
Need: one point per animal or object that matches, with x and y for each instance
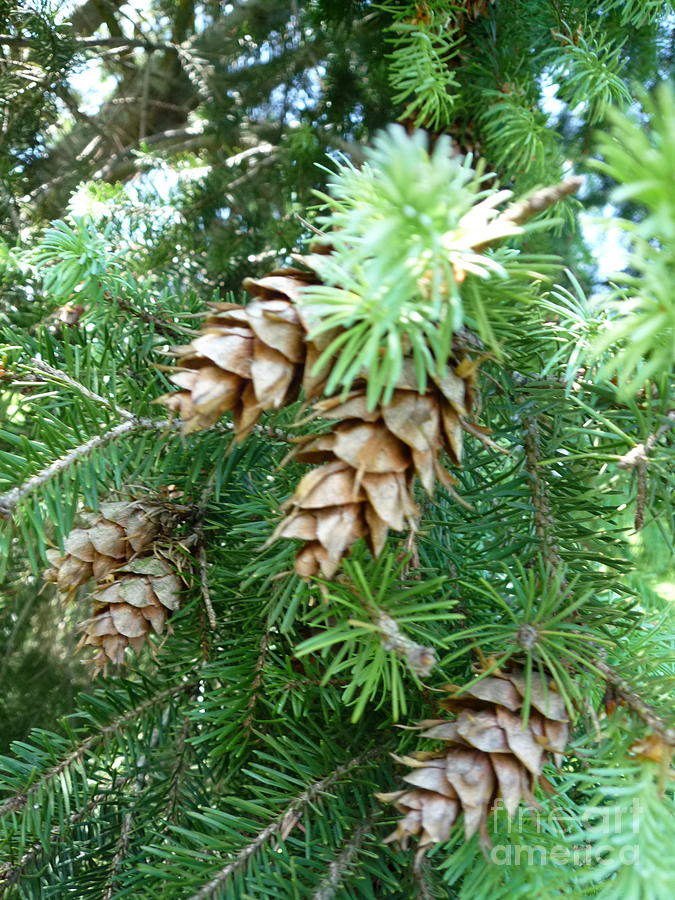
(247, 359)
(364, 485)
(491, 758)
(118, 533)
(136, 602)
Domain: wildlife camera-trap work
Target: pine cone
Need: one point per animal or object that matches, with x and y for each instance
(137, 601)
(365, 485)
(490, 757)
(256, 357)
(247, 359)
(119, 532)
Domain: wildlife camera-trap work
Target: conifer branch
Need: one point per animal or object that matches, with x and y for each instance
(162, 326)
(257, 678)
(180, 751)
(420, 659)
(340, 866)
(543, 516)
(640, 452)
(640, 496)
(290, 815)
(10, 875)
(201, 554)
(203, 581)
(637, 458)
(524, 210)
(92, 43)
(10, 499)
(85, 391)
(127, 824)
(544, 524)
(12, 804)
(420, 876)
(636, 703)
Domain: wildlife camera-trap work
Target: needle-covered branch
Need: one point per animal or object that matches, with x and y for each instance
(10, 499)
(282, 825)
(636, 703)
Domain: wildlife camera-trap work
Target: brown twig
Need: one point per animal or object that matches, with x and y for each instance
(521, 212)
(181, 748)
(201, 551)
(257, 678)
(420, 659)
(636, 703)
(10, 499)
(63, 378)
(543, 516)
(637, 458)
(640, 452)
(420, 875)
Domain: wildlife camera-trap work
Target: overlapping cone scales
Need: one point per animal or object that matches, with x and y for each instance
(363, 486)
(252, 358)
(247, 359)
(127, 609)
(118, 533)
(492, 758)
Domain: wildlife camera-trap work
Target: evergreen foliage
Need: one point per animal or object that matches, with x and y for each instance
(153, 158)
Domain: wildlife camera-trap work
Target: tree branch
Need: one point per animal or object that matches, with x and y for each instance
(180, 752)
(257, 678)
(162, 326)
(521, 212)
(12, 804)
(340, 866)
(63, 378)
(639, 454)
(420, 872)
(10, 499)
(280, 825)
(637, 458)
(91, 43)
(88, 17)
(201, 553)
(543, 516)
(10, 875)
(636, 703)
(122, 845)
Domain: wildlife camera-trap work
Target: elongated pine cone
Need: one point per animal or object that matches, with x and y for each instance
(491, 758)
(135, 602)
(113, 537)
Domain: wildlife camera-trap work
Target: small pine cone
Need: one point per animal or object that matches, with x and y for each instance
(364, 486)
(491, 758)
(137, 601)
(120, 531)
(247, 359)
